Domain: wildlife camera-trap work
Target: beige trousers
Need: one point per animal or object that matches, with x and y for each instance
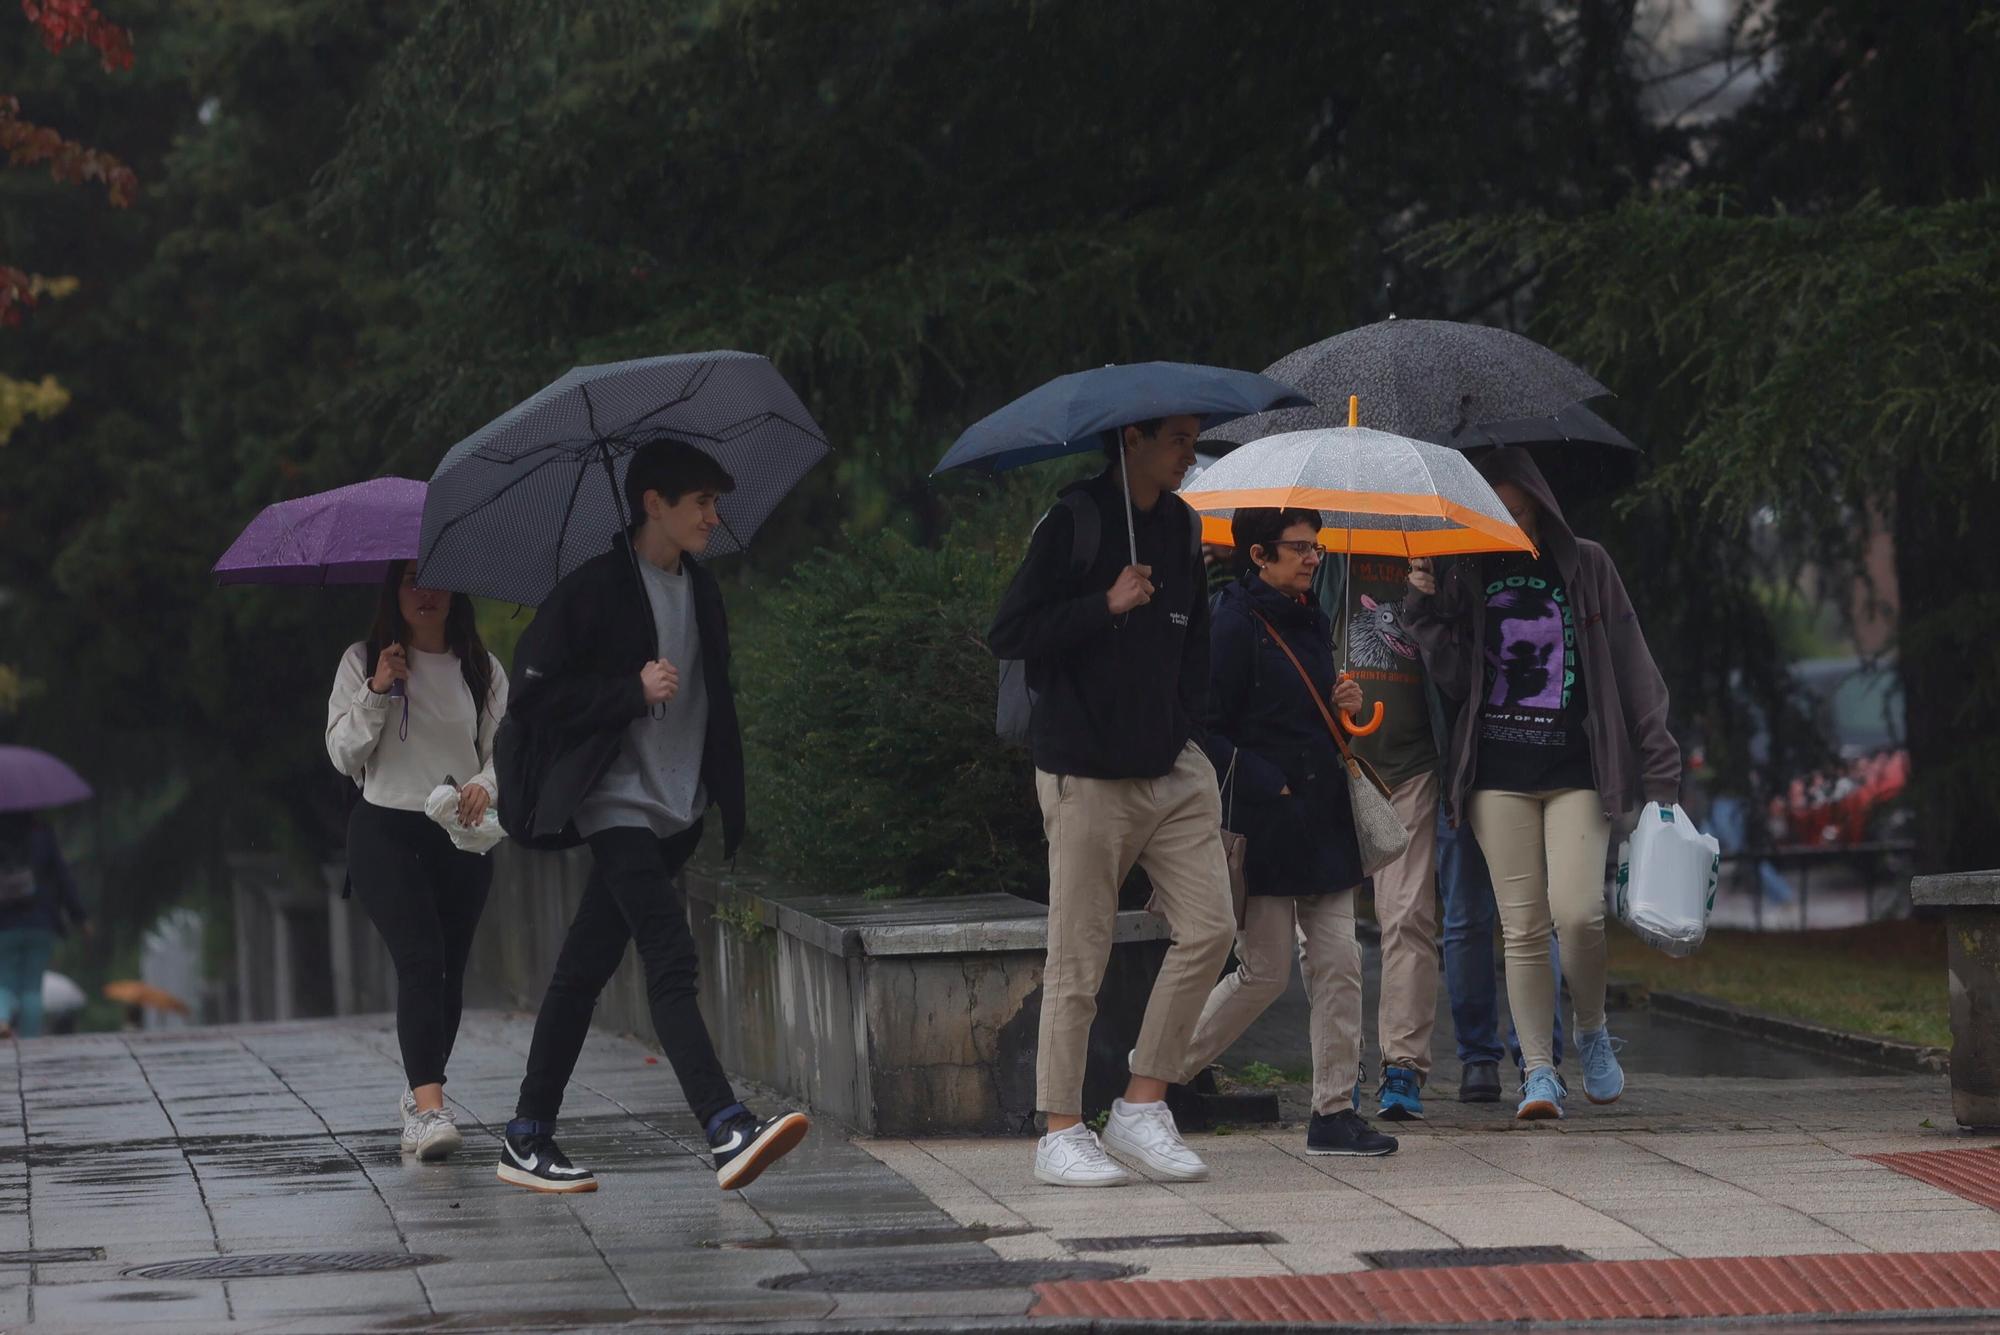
(1406, 906)
(1546, 853)
(1097, 829)
(1320, 928)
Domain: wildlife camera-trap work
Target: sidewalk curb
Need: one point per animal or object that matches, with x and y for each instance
(1889, 1052)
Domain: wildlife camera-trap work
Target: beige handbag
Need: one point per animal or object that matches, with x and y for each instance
(1378, 830)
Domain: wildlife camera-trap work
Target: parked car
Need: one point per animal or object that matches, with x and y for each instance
(1858, 797)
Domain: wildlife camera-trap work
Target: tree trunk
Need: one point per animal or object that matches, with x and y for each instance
(1949, 659)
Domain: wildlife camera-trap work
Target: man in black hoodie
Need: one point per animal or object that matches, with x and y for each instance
(622, 733)
(1117, 653)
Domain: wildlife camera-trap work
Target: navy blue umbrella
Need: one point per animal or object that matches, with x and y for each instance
(1070, 414)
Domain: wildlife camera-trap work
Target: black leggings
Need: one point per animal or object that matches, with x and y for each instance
(425, 896)
(631, 899)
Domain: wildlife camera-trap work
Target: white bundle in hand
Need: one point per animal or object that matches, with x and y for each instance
(442, 807)
(1667, 874)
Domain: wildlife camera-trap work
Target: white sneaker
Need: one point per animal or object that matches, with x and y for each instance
(432, 1135)
(1073, 1158)
(1146, 1132)
(407, 1105)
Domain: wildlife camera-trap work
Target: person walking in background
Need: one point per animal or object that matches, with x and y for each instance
(1118, 653)
(413, 706)
(1564, 732)
(1364, 597)
(1285, 791)
(38, 906)
(625, 696)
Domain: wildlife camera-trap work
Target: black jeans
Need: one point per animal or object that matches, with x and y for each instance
(631, 897)
(425, 897)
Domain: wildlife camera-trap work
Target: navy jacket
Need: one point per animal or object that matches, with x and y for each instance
(55, 905)
(1261, 716)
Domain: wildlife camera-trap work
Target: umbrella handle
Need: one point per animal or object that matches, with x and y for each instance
(1356, 728)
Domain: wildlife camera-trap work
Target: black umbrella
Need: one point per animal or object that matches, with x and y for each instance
(1419, 378)
(539, 490)
(1582, 455)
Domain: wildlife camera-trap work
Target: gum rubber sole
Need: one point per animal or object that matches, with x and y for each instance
(778, 1140)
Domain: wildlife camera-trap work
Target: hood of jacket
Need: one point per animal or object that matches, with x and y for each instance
(1511, 463)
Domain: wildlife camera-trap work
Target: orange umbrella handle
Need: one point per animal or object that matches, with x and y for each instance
(1356, 728)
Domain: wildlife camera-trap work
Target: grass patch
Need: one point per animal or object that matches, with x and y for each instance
(1886, 978)
(1263, 1075)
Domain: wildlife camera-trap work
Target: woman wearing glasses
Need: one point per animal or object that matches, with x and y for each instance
(1284, 790)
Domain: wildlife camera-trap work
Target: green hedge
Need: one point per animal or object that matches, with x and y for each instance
(867, 699)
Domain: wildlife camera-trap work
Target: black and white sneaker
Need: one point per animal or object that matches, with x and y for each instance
(1346, 1132)
(744, 1147)
(534, 1162)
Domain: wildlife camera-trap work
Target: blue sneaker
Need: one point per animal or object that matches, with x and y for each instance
(1542, 1097)
(1401, 1095)
(1603, 1077)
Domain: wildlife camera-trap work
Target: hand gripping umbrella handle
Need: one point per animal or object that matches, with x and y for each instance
(1356, 728)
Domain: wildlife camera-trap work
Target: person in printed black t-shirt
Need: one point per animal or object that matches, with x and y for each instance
(1565, 731)
(1364, 595)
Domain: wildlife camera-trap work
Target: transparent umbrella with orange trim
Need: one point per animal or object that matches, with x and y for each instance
(1376, 493)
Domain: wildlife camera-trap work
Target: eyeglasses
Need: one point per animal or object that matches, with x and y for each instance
(1303, 548)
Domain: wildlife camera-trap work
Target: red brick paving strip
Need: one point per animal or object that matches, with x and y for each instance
(1973, 1174)
(1581, 1291)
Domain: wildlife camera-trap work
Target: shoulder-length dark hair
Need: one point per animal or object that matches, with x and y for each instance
(461, 636)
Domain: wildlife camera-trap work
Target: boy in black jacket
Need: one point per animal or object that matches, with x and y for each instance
(1118, 656)
(625, 734)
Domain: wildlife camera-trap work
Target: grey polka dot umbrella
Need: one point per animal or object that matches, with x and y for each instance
(539, 490)
(1424, 379)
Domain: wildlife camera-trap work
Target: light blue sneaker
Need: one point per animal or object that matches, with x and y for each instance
(1603, 1077)
(1402, 1097)
(1542, 1097)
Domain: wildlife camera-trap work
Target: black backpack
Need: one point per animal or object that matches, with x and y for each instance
(1014, 714)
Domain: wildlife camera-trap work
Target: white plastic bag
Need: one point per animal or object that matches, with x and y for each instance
(442, 807)
(1667, 874)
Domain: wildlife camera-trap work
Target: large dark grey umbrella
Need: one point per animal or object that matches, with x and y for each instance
(1425, 379)
(539, 490)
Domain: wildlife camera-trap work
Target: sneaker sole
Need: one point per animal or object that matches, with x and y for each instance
(1349, 1154)
(515, 1177)
(1395, 1113)
(1170, 1173)
(778, 1140)
(438, 1150)
(1044, 1176)
(1479, 1096)
(1541, 1110)
(1602, 1102)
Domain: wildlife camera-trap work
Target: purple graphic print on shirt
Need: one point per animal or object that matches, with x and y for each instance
(1530, 667)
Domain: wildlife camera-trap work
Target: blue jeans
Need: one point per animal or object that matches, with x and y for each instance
(24, 956)
(1469, 976)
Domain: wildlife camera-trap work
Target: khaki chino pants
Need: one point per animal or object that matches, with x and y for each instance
(1406, 906)
(1098, 829)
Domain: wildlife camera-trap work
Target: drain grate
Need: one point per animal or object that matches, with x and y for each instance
(1136, 1242)
(951, 1277)
(280, 1265)
(1434, 1258)
(843, 1239)
(52, 1256)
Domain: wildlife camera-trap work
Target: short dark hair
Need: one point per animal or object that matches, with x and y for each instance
(673, 468)
(1262, 527)
(1114, 439)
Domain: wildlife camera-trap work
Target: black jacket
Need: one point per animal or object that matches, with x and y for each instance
(1116, 697)
(576, 688)
(1260, 716)
(25, 841)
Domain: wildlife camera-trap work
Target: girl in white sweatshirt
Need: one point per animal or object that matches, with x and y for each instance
(414, 706)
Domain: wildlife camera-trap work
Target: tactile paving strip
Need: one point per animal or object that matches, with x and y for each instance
(1736, 1286)
(1973, 1174)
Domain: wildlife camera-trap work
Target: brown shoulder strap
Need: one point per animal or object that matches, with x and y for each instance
(1311, 690)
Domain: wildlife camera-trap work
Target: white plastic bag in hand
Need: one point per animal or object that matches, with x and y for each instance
(442, 807)
(1667, 874)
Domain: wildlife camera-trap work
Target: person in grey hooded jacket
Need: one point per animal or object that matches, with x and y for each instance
(1565, 733)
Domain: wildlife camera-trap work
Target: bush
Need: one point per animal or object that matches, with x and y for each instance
(867, 699)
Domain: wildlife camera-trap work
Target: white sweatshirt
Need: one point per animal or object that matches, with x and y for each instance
(364, 730)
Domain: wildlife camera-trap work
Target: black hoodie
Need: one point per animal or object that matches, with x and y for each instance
(1117, 697)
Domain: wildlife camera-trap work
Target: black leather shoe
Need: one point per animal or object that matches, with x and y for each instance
(1479, 1083)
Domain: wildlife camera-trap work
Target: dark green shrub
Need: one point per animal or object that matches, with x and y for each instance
(867, 698)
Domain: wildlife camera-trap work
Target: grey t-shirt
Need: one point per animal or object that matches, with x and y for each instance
(655, 781)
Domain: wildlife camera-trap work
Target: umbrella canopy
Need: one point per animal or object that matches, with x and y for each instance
(1069, 414)
(1376, 493)
(133, 992)
(1581, 454)
(32, 780)
(350, 535)
(539, 490)
(1420, 378)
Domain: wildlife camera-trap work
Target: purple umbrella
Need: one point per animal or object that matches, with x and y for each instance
(32, 780)
(350, 535)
